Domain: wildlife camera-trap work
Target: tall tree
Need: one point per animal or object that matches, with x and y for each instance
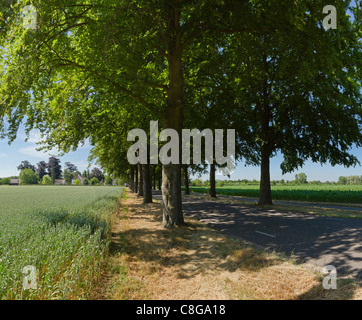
(54, 168)
(97, 173)
(301, 87)
(41, 169)
(71, 167)
(26, 165)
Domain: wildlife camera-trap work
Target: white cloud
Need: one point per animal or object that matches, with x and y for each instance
(31, 151)
(34, 137)
(3, 155)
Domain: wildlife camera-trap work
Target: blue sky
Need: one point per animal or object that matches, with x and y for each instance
(11, 156)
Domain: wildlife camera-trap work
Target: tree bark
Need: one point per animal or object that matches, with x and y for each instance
(131, 184)
(171, 173)
(154, 177)
(265, 190)
(186, 179)
(171, 196)
(140, 180)
(147, 185)
(212, 187)
(135, 179)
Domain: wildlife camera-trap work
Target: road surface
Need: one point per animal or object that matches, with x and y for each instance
(318, 240)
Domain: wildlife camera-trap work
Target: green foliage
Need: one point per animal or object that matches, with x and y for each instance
(47, 180)
(68, 176)
(354, 180)
(108, 181)
(220, 184)
(266, 68)
(342, 180)
(94, 182)
(76, 182)
(28, 176)
(5, 181)
(85, 182)
(301, 178)
(197, 182)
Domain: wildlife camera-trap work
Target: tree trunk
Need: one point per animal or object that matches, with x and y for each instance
(171, 173)
(186, 179)
(159, 180)
(265, 190)
(131, 183)
(140, 180)
(154, 177)
(212, 187)
(266, 146)
(171, 196)
(147, 185)
(135, 179)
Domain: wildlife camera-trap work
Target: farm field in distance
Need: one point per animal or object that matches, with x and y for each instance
(314, 193)
(61, 231)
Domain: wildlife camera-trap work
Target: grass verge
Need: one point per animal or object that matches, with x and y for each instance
(197, 262)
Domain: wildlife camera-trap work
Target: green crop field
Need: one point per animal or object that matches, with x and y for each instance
(315, 193)
(61, 231)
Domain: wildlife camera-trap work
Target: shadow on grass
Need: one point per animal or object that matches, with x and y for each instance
(190, 250)
(346, 290)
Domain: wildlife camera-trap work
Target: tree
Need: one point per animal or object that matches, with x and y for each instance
(97, 173)
(54, 168)
(342, 180)
(301, 178)
(26, 165)
(302, 96)
(85, 182)
(46, 180)
(197, 183)
(41, 169)
(353, 180)
(5, 181)
(71, 167)
(28, 176)
(68, 176)
(108, 181)
(94, 181)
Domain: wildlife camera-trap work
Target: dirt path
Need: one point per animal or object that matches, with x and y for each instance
(196, 262)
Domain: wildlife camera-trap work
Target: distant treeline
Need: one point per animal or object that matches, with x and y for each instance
(300, 179)
(48, 173)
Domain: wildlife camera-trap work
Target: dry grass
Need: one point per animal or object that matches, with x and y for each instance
(197, 262)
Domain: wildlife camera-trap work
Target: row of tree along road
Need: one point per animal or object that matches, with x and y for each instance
(266, 68)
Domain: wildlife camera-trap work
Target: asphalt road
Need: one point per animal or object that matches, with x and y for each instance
(314, 239)
(284, 202)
